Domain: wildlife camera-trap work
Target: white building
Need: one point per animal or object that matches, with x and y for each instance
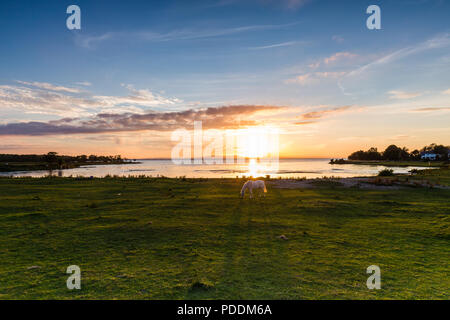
(429, 156)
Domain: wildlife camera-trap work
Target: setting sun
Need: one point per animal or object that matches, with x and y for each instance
(258, 142)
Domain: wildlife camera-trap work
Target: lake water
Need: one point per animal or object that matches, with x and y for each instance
(309, 168)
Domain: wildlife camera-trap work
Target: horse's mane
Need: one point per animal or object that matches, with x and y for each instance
(245, 186)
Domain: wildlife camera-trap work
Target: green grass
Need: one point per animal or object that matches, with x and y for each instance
(440, 176)
(195, 239)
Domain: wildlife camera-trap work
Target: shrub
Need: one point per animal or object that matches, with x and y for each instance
(386, 173)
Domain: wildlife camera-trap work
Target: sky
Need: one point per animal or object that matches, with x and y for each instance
(138, 70)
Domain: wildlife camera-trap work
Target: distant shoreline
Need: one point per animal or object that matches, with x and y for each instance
(26, 167)
(192, 159)
(386, 163)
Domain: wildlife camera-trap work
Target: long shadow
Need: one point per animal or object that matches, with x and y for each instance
(239, 256)
(259, 249)
(277, 248)
(231, 246)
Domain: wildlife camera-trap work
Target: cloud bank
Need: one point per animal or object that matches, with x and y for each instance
(224, 117)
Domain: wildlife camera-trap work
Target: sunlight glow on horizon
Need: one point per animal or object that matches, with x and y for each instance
(258, 142)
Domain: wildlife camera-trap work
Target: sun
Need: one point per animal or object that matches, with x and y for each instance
(257, 142)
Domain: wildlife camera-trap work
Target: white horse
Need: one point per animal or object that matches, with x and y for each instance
(250, 185)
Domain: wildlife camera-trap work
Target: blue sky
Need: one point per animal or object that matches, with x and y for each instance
(171, 56)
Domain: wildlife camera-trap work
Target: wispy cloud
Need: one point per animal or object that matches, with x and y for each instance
(314, 77)
(295, 4)
(87, 41)
(439, 41)
(314, 65)
(396, 94)
(34, 100)
(338, 56)
(142, 97)
(377, 69)
(337, 38)
(301, 123)
(431, 109)
(276, 45)
(302, 79)
(324, 112)
(49, 86)
(84, 83)
(446, 91)
(46, 98)
(289, 4)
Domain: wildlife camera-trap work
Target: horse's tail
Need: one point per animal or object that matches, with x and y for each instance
(265, 189)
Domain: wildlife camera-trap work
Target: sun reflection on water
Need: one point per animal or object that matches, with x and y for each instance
(260, 168)
(260, 147)
(253, 168)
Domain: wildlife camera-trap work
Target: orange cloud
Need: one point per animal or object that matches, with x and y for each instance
(225, 117)
(321, 113)
(339, 56)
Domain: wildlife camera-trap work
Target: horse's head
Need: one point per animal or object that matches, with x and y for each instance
(245, 186)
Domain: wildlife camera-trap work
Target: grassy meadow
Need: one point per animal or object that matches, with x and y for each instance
(160, 238)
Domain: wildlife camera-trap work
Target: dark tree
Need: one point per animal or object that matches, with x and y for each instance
(51, 158)
(395, 153)
(415, 155)
(371, 154)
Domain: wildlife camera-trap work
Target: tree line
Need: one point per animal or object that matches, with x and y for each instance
(53, 157)
(394, 153)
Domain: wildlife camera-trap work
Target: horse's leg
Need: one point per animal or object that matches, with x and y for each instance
(251, 193)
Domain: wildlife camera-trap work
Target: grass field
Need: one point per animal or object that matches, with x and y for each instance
(195, 239)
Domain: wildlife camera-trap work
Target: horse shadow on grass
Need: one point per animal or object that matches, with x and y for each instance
(255, 259)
